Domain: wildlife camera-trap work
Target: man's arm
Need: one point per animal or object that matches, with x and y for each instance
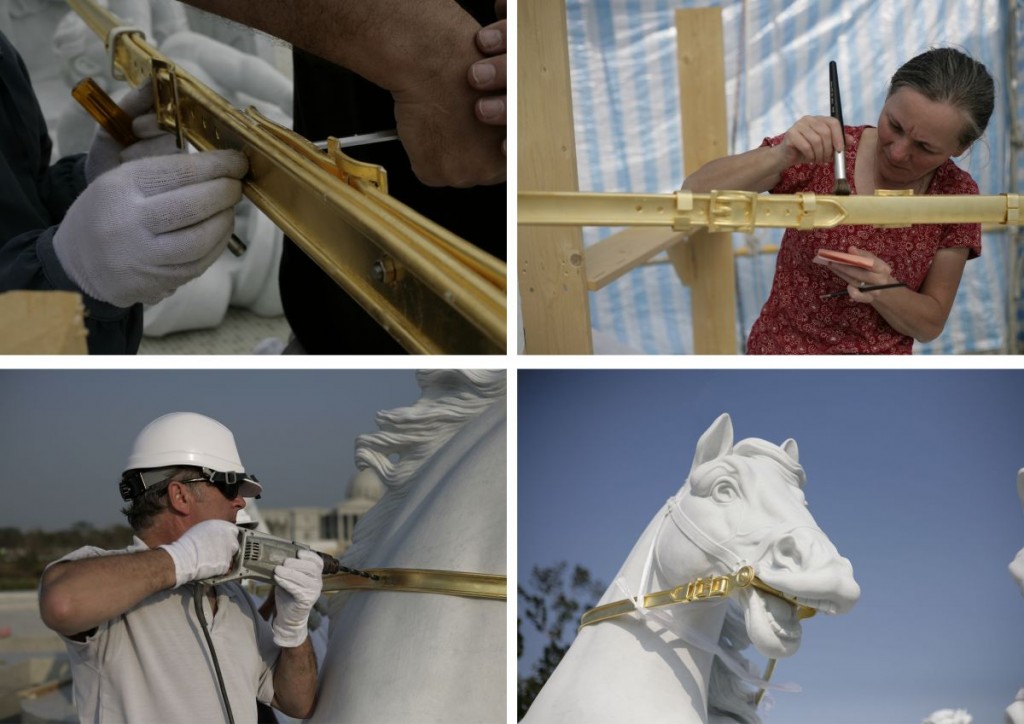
(295, 681)
(77, 596)
(420, 51)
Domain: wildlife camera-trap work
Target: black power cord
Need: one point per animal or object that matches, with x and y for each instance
(197, 599)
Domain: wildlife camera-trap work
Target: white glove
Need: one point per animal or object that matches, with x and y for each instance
(106, 154)
(143, 229)
(205, 550)
(299, 582)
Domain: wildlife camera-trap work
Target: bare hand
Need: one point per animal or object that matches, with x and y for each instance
(436, 119)
(855, 278)
(490, 74)
(813, 139)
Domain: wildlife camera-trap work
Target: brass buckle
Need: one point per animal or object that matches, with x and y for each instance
(174, 102)
(731, 210)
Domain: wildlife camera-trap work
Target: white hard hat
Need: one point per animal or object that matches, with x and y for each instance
(188, 438)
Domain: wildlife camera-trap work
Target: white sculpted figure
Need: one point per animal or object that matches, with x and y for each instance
(426, 657)
(742, 504)
(948, 716)
(1015, 711)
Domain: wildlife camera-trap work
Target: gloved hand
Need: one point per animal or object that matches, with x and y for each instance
(316, 616)
(299, 582)
(106, 154)
(205, 550)
(145, 228)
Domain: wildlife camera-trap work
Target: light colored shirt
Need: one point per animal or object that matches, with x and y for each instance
(152, 663)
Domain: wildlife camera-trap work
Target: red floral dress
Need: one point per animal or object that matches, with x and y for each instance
(796, 320)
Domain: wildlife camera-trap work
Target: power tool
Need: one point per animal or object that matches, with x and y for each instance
(260, 553)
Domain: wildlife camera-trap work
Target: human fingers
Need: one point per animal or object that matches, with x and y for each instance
(181, 254)
(138, 101)
(880, 266)
(159, 174)
(204, 550)
(500, 8)
(184, 206)
(492, 39)
(491, 110)
(153, 140)
(811, 136)
(147, 126)
(489, 74)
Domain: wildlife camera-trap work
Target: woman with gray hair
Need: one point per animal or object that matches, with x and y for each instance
(938, 104)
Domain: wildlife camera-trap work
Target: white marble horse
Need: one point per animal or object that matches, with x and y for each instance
(427, 657)
(1015, 711)
(742, 504)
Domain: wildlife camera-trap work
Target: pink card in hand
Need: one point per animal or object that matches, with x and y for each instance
(827, 255)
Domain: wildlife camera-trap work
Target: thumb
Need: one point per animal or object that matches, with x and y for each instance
(137, 101)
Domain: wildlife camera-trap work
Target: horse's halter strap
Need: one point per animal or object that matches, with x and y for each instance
(418, 580)
(700, 589)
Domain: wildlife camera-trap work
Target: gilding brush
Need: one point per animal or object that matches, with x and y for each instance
(842, 187)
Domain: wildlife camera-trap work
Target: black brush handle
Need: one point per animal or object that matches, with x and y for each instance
(835, 103)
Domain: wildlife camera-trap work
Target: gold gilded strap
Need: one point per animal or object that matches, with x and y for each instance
(433, 291)
(418, 580)
(701, 589)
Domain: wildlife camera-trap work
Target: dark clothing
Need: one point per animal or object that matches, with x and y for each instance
(332, 101)
(34, 196)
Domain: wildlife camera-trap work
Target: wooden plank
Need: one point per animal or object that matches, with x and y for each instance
(707, 264)
(34, 322)
(615, 255)
(551, 263)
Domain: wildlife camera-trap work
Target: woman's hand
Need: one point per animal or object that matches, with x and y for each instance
(855, 278)
(813, 139)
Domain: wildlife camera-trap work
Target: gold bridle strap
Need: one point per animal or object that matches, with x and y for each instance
(418, 580)
(702, 589)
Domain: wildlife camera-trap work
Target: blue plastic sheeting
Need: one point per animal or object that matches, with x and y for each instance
(628, 137)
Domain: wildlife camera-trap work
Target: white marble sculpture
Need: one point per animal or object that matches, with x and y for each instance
(948, 716)
(427, 657)
(1015, 711)
(741, 504)
(249, 281)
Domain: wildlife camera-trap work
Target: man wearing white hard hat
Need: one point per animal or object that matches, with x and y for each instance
(148, 640)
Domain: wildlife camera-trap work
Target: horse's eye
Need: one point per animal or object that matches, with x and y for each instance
(724, 491)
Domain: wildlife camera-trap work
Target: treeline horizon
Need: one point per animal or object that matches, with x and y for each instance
(24, 553)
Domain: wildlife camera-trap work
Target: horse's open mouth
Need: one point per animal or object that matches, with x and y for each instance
(780, 615)
(773, 624)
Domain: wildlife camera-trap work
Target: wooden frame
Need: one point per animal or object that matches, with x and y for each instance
(555, 271)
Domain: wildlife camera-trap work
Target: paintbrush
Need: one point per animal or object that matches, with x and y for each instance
(842, 187)
(870, 288)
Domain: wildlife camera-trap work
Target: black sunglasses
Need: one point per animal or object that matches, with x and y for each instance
(228, 490)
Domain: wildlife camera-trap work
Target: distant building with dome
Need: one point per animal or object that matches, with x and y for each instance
(325, 529)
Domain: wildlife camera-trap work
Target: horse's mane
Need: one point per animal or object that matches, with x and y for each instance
(729, 698)
(408, 437)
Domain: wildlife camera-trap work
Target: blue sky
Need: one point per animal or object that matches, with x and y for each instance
(912, 474)
(66, 433)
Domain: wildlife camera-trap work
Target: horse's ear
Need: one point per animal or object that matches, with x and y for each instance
(715, 442)
(790, 448)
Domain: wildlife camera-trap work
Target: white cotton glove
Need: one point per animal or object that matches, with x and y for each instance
(106, 154)
(205, 550)
(143, 229)
(299, 582)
